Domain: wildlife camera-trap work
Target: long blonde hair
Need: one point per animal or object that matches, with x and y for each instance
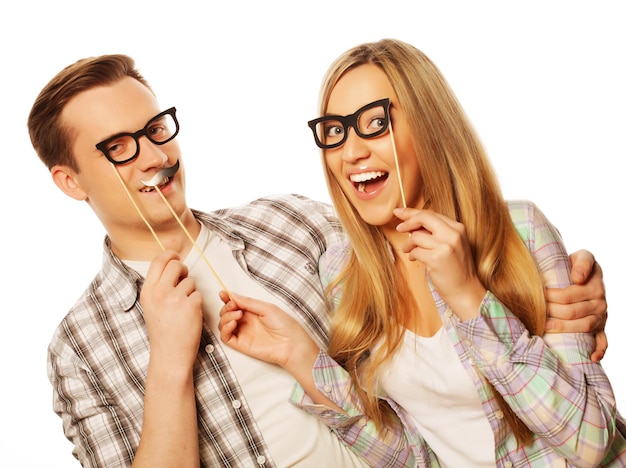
(458, 182)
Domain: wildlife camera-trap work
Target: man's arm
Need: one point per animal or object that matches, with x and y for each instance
(173, 315)
(581, 307)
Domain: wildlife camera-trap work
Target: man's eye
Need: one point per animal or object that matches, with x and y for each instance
(116, 148)
(157, 130)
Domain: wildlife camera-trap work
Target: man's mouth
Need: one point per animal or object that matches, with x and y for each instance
(161, 178)
(366, 182)
(152, 188)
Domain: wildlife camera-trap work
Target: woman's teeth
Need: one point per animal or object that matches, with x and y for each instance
(361, 180)
(365, 176)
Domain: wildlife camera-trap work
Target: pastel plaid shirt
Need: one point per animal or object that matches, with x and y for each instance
(549, 381)
(98, 356)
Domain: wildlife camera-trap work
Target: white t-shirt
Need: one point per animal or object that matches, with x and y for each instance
(426, 378)
(294, 437)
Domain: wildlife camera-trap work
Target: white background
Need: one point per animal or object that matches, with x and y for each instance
(542, 81)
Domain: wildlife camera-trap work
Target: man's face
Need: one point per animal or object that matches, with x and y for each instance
(100, 113)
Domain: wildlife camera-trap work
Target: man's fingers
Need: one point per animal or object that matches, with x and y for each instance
(578, 310)
(586, 324)
(602, 344)
(582, 262)
(576, 293)
(159, 264)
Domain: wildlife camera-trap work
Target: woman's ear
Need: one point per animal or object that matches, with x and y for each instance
(65, 178)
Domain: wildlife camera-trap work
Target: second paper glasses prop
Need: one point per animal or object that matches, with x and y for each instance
(370, 121)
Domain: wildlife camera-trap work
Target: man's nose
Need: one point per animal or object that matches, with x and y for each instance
(150, 154)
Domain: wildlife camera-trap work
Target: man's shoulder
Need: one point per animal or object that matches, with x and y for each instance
(280, 202)
(113, 290)
(273, 209)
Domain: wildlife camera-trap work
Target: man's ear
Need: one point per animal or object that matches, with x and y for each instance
(65, 178)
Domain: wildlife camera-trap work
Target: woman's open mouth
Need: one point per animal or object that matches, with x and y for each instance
(368, 182)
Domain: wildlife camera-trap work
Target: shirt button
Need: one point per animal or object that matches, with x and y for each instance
(328, 388)
(209, 348)
(508, 464)
(448, 313)
(236, 404)
(362, 422)
(499, 414)
(260, 460)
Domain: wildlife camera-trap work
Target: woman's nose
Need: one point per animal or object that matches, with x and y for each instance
(354, 148)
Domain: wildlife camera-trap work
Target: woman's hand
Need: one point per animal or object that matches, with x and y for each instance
(264, 331)
(441, 245)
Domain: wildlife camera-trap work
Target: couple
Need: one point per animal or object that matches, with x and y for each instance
(140, 378)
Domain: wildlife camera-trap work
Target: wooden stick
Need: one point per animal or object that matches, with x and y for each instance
(119, 177)
(395, 157)
(206, 260)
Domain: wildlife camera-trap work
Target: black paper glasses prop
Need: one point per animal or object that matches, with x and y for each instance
(370, 121)
(124, 147)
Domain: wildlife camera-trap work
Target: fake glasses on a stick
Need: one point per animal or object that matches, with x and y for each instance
(124, 147)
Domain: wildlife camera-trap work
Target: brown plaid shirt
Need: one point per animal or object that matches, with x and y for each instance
(98, 357)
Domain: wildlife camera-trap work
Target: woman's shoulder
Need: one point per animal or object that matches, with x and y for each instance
(334, 260)
(521, 209)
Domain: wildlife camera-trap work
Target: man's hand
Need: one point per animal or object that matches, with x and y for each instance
(582, 307)
(172, 311)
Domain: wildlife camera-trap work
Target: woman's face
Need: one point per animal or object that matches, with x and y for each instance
(365, 167)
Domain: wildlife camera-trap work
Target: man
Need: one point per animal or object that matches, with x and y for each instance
(137, 372)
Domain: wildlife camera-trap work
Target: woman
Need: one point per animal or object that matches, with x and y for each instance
(439, 310)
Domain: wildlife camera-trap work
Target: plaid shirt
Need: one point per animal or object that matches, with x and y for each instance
(98, 357)
(550, 382)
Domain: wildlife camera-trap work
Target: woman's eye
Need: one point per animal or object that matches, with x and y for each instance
(378, 122)
(334, 131)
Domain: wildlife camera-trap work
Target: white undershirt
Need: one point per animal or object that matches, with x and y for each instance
(426, 378)
(294, 437)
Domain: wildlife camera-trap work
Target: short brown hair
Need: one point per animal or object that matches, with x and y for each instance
(51, 140)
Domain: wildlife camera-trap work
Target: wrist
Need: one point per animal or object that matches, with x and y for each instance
(302, 359)
(467, 305)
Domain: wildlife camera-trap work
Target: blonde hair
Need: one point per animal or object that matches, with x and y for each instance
(458, 182)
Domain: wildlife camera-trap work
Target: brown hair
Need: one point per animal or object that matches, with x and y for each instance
(50, 138)
(459, 183)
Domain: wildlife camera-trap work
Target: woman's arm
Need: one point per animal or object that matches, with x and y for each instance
(323, 388)
(550, 382)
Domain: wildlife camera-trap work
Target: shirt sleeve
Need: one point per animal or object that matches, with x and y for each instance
(100, 432)
(381, 448)
(550, 381)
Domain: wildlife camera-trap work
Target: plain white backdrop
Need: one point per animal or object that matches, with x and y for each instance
(542, 81)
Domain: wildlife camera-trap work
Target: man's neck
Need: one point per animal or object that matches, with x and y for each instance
(141, 245)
